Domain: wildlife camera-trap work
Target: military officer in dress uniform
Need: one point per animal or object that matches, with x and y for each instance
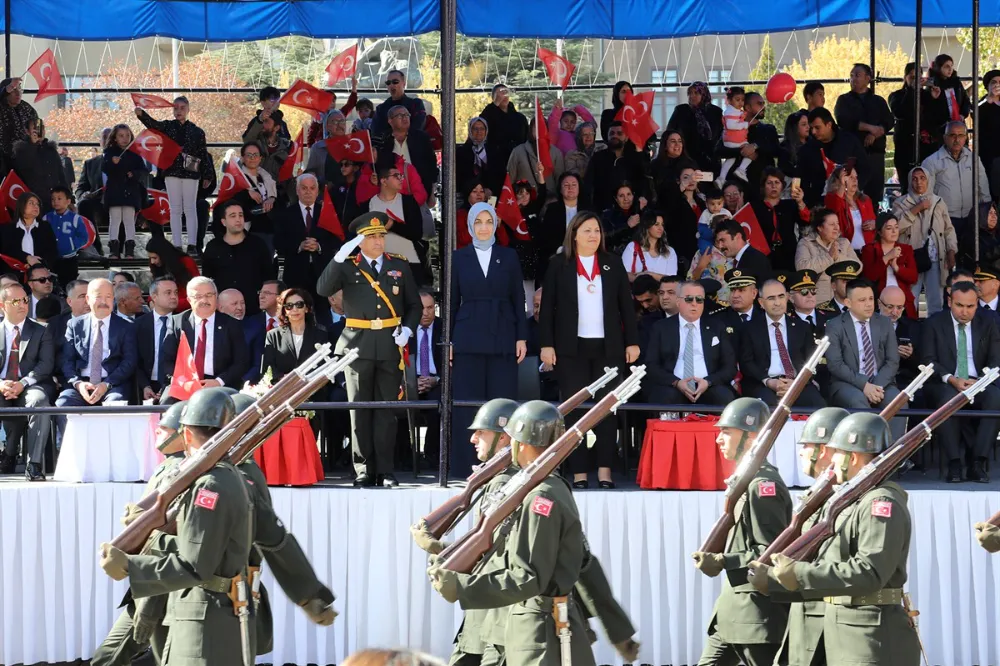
(536, 569)
(861, 571)
(988, 536)
(745, 625)
(383, 309)
(802, 300)
(840, 274)
(742, 304)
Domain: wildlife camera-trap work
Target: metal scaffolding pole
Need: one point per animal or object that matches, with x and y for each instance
(871, 46)
(6, 39)
(917, 58)
(975, 124)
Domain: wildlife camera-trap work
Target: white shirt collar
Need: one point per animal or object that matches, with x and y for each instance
(772, 322)
(371, 259)
(955, 323)
(811, 313)
(22, 225)
(197, 320)
(739, 255)
(684, 322)
(302, 207)
(94, 319)
(992, 304)
(858, 321)
(10, 327)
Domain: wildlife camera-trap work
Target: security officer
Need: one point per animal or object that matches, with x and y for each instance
(742, 304)
(383, 309)
(210, 554)
(745, 625)
(140, 624)
(536, 568)
(988, 536)
(802, 300)
(861, 571)
(840, 274)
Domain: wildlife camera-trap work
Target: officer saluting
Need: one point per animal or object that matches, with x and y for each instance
(383, 309)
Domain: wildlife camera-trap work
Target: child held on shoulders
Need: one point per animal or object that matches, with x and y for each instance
(735, 131)
(714, 205)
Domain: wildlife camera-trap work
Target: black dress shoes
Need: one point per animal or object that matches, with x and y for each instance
(606, 485)
(364, 481)
(33, 472)
(581, 485)
(954, 472)
(388, 481)
(977, 472)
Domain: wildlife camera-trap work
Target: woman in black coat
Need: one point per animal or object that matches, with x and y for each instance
(28, 215)
(587, 322)
(473, 158)
(296, 336)
(556, 219)
(36, 160)
(700, 122)
(124, 193)
(618, 94)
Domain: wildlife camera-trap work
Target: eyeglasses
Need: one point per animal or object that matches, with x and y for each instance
(17, 301)
(806, 292)
(891, 308)
(346, 163)
(297, 305)
(267, 293)
(200, 298)
(43, 280)
(249, 155)
(393, 82)
(694, 299)
(397, 176)
(399, 115)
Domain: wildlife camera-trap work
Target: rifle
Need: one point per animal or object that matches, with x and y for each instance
(820, 491)
(273, 407)
(463, 555)
(806, 547)
(739, 481)
(443, 519)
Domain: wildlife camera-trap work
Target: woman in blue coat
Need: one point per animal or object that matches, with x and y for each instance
(490, 327)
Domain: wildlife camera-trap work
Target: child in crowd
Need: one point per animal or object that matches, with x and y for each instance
(366, 112)
(123, 189)
(734, 133)
(73, 233)
(712, 263)
(714, 205)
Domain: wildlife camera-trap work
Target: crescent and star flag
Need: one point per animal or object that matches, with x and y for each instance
(308, 98)
(11, 188)
(829, 166)
(185, 381)
(542, 140)
(14, 264)
(560, 70)
(510, 213)
(748, 220)
(635, 118)
(146, 101)
(159, 211)
(233, 182)
(328, 218)
(342, 66)
(294, 157)
(91, 232)
(46, 73)
(155, 147)
(356, 146)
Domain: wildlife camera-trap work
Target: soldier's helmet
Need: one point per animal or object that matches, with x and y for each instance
(210, 408)
(820, 426)
(494, 415)
(172, 417)
(747, 414)
(861, 433)
(536, 423)
(242, 401)
(228, 390)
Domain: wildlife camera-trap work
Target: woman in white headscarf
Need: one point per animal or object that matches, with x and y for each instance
(473, 160)
(490, 330)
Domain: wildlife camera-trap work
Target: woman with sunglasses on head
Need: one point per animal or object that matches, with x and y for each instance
(28, 238)
(587, 322)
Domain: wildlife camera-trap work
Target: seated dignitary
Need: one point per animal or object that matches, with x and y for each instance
(151, 332)
(802, 298)
(840, 274)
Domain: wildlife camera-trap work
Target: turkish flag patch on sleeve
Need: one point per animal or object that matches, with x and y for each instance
(882, 509)
(206, 499)
(542, 506)
(766, 489)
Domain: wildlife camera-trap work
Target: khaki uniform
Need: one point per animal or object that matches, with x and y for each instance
(745, 624)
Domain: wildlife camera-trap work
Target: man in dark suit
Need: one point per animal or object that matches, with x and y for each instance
(841, 274)
(892, 305)
(155, 332)
(216, 339)
(802, 294)
(549, 389)
(256, 326)
(413, 144)
(90, 189)
(425, 353)
(735, 245)
(863, 357)
(690, 359)
(774, 348)
(76, 299)
(99, 352)
(28, 357)
(742, 308)
(961, 342)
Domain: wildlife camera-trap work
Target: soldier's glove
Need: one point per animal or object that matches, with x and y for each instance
(988, 536)
(445, 582)
(758, 576)
(710, 564)
(114, 562)
(402, 336)
(628, 649)
(319, 612)
(784, 571)
(424, 539)
(132, 511)
(347, 248)
(142, 628)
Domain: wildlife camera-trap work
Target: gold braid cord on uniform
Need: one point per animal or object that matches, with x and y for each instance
(385, 299)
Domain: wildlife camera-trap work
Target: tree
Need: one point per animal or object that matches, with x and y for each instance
(832, 57)
(767, 66)
(989, 52)
(467, 105)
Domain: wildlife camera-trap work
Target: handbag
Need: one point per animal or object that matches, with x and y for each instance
(922, 255)
(191, 163)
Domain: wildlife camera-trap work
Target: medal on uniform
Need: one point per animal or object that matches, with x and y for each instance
(581, 271)
(395, 290)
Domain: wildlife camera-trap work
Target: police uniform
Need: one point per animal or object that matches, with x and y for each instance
(800, 281)
(376, 305)
(842, 270)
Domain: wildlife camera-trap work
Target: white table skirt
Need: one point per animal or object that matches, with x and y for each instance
(56, 605)
(108, 447)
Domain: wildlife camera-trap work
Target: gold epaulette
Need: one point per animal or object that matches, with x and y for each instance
(397, 256)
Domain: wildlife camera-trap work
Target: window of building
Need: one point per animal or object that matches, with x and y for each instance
(717, 82)
(98, 100)
(666, 99)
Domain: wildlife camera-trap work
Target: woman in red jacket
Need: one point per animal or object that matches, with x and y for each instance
(888, 262)
(853, 207)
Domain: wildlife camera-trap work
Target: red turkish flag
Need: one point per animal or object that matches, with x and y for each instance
(342, 66)
(748, 220)
(542, 140)
(294, 157)
(233, 182)
(146, 101)
(635, 118)
(185, 381)
(91, 232)
(46, 73)
(356, 146)
(155, 147)
(560, 70)
(11, 188)
(159, 211)
(328, 218)
(829, 166)
(14, 264)
(510, 213)
(308, 98)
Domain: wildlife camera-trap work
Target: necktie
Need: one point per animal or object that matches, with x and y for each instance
(809, 318)
(160, 337)
(786, 360)
(199, 351)
(375, 266)
(309, 218)
(13, 371)
(689, 351)
(270, 323)
(868, 352)
(745, 318)
(424, 369)
(963, 353)
(97, 354)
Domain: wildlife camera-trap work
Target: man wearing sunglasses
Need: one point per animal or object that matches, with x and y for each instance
(802, 295)
(40, 282)
(395, 85)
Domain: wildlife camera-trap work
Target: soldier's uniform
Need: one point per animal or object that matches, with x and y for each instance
(376, 306)
(842, 270)
(745, 624)
(730, 318)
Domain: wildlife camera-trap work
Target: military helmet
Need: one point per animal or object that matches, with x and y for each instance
(747, 414)
(820, 426)
(242, 401)
(861, 433)
(228, 390)
(494, 415)
(172, 417)
(535, 423)
(210, 408)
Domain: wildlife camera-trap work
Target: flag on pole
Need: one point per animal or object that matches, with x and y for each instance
(308, 98)
(155, 147)
(328, 218)
(47, 76)
(560, 69)
(342, 66)
(287, 171)
(542, 141)
(185, 381)
(233, 182)
(147, 101)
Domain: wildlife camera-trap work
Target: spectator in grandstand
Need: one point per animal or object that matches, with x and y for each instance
(15, 114)
(89, 190)
(620, 162)
(523, 162)
(796, 135)
(256, 326)
(562, 125)
(649, 253)
(167, 260)
(40, 283)
(406, 221)
(761, 146)
(892, 305)
(72, 233)
(732, 197)
(413, 145)
(557, 218)
(29, 240)
(295, 338)
(232, 303)
(345, 194)
(258, 201)
(989, 243)
(854, 208)
(621, 90)
(901, 103)
(67, 162)
(815, 95)
(508, 128)
(76, 299)
(828, 147)
(779, 217)
(321, 129)
(711, 263)
(237, 259)
(866, 115)
(153, 330)
(473, 159)
(700, 122)
(120, 277)
(36, 161)
(666, 167)
(683, 212)
(269, 96)
(48, 308)
(950, 172)
(124, 193)
(366, 114)
(586, 145)
(952, 103)
(821, 247)
(989, 130)
(530, 203)
(128, 301)
(667, 294)
(274, 148)
(621, 219)
(395, 84)
(889, 263)
(181, 179)
(321, 163)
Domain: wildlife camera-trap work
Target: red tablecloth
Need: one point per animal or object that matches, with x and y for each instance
(290, 456)
(682, 455)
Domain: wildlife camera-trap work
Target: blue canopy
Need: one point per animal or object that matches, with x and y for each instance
(611, 19)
